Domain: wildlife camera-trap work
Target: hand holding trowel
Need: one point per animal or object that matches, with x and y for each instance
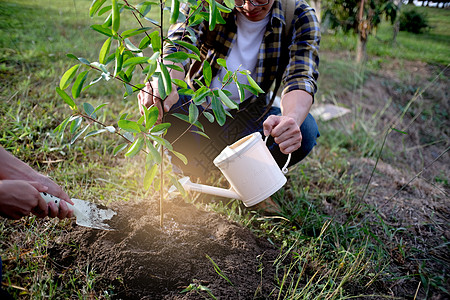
(88, 214)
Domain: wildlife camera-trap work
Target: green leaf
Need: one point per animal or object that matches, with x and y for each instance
(134, 61)
(78, 84)
(209, 116)
(152, 65)
(182, 84)
(105, 9)
(186, 119)
(130, 46)
(241, 91)
(200, 133)
(145, 7)
(115, 17)
(110, 129)
(212, 14)
(161, 88)
(68, 76)
(253, 84)
(150, 176)
(166, 78)
(183, 193)
(399, 131)
(207, 72)
(174, 11)
(200, 95)
(119, 61)
(66, 98)
(100, 106)
(102, 30)
(104, 51)
(132, 32)
(95, 6)
(160, 128)
(155, 155)
(151, 117)
(99, 66)
(188, 46)
(193, 113)
(75, 124)
(222, 62)
(193, 56)
(119, 148)
(175, 67)
(177, 57)
(218, 110)
(135, 147)
(108, 21)
(227, 101)
(61, 127)
(79, 134)
(144, 42)
(180, 156)
(229, 3)
(89, 110)
(161, 141)
(94, 132)
(156, 41)
(129, 126)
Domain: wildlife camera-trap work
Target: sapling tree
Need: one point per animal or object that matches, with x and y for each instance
(133, 56)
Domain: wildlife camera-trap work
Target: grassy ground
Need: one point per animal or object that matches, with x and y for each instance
(337, 253)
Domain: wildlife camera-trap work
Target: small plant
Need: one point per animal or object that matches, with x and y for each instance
(413, 21)
(199, 288)
(136, 55)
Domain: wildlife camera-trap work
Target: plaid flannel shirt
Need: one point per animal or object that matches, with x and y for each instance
(302, 46)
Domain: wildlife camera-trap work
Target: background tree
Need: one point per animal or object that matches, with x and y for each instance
(358, 16)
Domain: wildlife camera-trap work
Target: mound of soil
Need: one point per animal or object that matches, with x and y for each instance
(145, 261)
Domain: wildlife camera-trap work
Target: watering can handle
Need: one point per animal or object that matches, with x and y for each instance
(284, 169)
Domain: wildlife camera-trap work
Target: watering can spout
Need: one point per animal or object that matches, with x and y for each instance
(206, 189)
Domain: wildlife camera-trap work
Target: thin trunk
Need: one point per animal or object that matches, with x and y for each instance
(397, 21)
(361, 55)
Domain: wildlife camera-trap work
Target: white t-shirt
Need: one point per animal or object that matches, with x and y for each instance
(243, 54)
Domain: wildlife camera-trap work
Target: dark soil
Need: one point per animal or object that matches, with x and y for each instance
(144, 261)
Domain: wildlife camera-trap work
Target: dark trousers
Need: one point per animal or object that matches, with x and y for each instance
(201, 151)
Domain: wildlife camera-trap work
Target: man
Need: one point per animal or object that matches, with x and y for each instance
(255, 38)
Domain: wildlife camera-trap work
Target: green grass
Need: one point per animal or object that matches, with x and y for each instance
(323, 254)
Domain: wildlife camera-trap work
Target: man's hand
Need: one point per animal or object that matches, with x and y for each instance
(285, 132)
(148, 97)
(19, 197)
(63, 211)
(150, 94)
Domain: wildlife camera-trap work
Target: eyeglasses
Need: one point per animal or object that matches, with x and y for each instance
(241, 3)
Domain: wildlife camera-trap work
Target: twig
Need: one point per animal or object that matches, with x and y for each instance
(376, 163)
(418, 174)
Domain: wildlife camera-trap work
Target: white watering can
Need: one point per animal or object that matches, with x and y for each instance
(250, 169)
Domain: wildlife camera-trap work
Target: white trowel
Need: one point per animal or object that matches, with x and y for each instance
(88, 214)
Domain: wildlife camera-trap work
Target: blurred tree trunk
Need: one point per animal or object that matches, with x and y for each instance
(397, 20)
(362, 35)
